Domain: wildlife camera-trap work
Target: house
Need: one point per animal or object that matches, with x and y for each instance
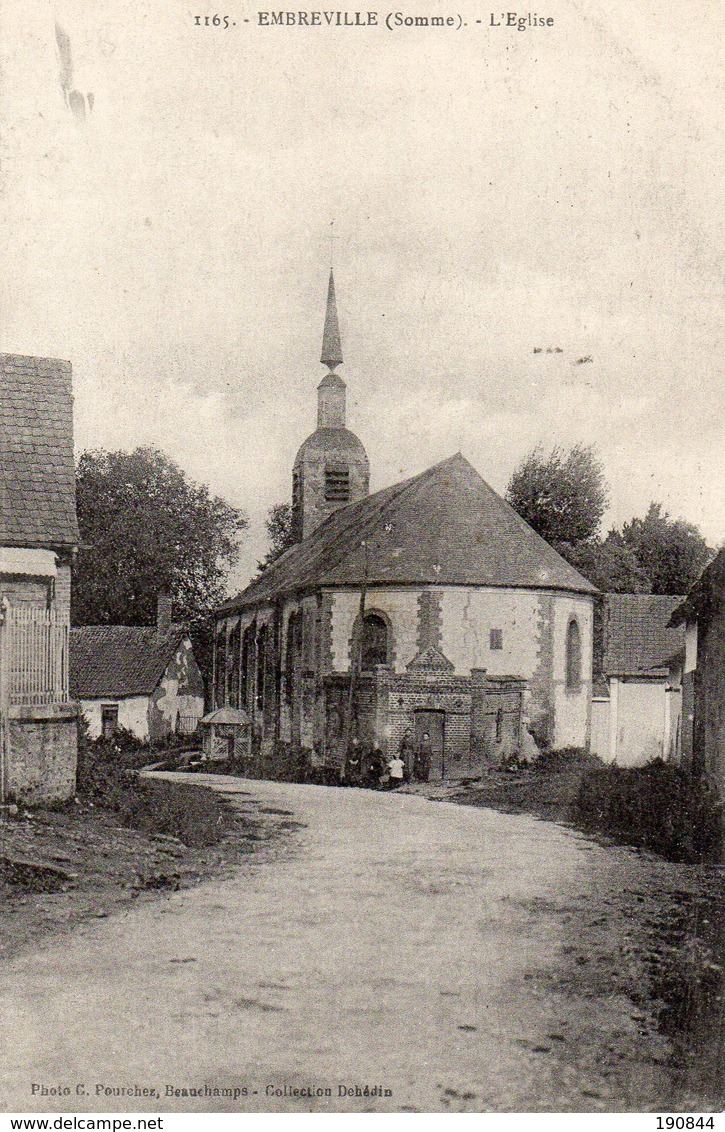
(632, 708)
(430, 605)
(143, 678)
(698, 669)
(38, 539)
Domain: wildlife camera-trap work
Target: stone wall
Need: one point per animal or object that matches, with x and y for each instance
(42, 753)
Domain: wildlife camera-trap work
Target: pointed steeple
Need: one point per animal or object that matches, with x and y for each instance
(331, 345)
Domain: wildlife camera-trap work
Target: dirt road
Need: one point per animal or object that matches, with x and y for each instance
(454, 958)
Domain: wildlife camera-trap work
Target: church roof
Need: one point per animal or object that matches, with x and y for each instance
(444, 527)
(331, 442)
(331, 345)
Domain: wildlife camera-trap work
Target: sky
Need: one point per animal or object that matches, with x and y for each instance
(496, 194)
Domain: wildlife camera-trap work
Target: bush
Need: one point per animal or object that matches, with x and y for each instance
(657, 806)
(107, 778)
(566, 758)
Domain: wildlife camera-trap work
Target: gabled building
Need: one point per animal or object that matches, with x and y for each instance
(634, 704)
(144, 679)
(698, 668)
(430, 605)
(38, 539)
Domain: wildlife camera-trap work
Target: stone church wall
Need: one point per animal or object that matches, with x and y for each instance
(469, 617)
(399, 606)
(572, 708)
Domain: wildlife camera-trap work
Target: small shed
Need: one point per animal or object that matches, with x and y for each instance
(145, 679)
(227, 735)
(632, 706)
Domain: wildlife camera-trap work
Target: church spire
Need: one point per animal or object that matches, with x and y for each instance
(331, 345)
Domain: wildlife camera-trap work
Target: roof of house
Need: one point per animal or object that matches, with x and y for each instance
(443, 527)
(638, 639)
(707, 594)
(37, 475)
(119, 660)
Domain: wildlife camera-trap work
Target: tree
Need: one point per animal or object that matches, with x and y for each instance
(671, 551)
(562, 496)
(609, 565)
(279, 532)
(146, 527)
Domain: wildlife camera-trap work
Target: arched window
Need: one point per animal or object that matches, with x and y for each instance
(573, 656)
(374, 641)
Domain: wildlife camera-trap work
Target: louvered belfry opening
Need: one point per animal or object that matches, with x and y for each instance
(337, 483)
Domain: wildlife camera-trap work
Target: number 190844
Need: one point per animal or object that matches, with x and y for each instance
(670, 1123)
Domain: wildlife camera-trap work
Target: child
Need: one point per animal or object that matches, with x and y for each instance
(396, 771)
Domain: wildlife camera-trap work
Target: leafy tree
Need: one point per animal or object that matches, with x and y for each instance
(671, 551)
(563, 496)
(279, 532)
(146, 527)
(609, 565)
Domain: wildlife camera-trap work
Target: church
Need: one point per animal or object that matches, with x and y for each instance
(429, 606)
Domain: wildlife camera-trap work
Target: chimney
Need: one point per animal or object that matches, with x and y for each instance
(163, 611)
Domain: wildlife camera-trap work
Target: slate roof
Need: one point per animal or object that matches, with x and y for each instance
(119, 660)
(443, 527)
(37, 476)
(638, 639)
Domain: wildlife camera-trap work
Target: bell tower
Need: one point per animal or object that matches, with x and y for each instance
(331, 468)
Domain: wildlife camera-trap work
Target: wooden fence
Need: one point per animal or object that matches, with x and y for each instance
(34, 644)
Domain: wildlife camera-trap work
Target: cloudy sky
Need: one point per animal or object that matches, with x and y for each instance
(495, 192)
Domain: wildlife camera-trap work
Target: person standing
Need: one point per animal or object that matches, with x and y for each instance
(423, 758)
(353, 765)
(407, 754)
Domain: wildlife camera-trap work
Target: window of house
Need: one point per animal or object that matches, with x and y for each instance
(496, 639)
(573, 656)
(109, 720)
(337, 483)
(374, 641)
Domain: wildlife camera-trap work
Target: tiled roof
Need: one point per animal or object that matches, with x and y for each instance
(443, 527)
(119, 660)
(637, 637)
(37, 476)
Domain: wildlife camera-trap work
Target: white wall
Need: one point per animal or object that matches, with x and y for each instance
(132, 714)
(401, 606)
(572, 707)
(600, 744)
(638, 724)
(470, 614)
